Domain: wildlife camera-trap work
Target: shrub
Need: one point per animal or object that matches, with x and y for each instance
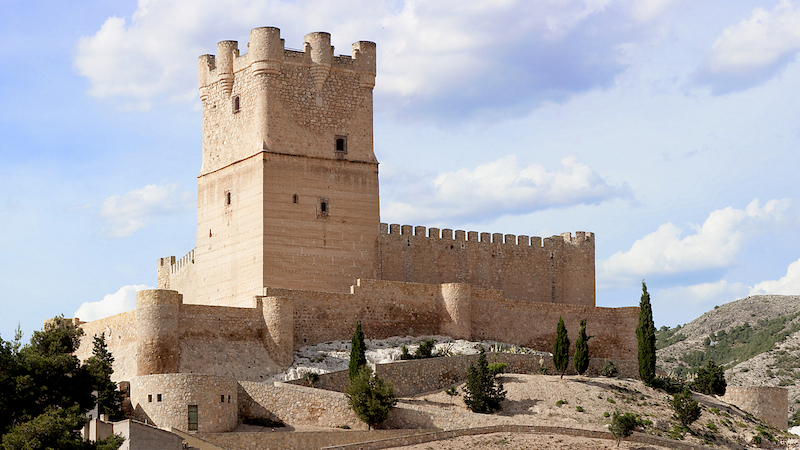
(561, 348)
(424, 350)
(579, 409)
(686, 408)
(581, 358)
(609, 369)
(710, 379)
(622, 425)
(370, 397)
(497, 368)
(561, 402)
(483, 392)
(310, 378)
(606, 414)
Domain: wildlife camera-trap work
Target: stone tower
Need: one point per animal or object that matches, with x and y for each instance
(288, 188)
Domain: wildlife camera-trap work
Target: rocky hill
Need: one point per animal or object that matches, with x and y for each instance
(756, 340)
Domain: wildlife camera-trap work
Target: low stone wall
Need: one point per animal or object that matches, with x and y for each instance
(164, 399)
(440, 435)
(296, 405)
(416, 376)
(296, 440)
(770, 404)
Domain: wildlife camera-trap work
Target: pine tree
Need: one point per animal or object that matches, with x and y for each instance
(710, 379)
(100, 366)
(686, 408)
(483, 391)
(358, 351)
(371, 397)
(561, 348)
(646, 336)
(581, 358)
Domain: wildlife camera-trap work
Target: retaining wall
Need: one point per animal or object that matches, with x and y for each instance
(770, 404)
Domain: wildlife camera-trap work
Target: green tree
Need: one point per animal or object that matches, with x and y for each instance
(100, 367)
(646, 337)
(581, 358)
(710, 379)
(358, 350)
(483, 390)
(561, 348)
(622, 425)
(686, 408)
(371, 397)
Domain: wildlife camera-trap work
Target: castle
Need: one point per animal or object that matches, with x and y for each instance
(291, 251)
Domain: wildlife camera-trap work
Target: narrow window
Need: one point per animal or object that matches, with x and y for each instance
(149, 398)
(294, 198)
(158, 397)
(228, 198)
(323, 207)
(192, 417)
(341, 144)
(236, 104)
(229, 399)
(222, 398)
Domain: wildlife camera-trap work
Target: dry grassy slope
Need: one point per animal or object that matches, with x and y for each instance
(778, 366)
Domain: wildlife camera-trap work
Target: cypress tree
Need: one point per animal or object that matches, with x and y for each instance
(561, 348)
(581, 358)
(358, 351)
(646, 337)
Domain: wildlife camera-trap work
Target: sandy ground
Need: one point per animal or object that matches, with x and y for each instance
(526, 441)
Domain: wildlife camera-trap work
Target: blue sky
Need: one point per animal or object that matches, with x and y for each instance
(669, 128)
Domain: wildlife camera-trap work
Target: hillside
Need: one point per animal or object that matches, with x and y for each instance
(756, 340)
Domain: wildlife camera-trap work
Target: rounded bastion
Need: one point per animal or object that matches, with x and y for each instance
(157, 323)
(167, 400)
(770, 404)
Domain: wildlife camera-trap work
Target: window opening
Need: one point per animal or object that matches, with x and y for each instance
(294, 198)
(323, 207)
(229, 399)
(341, 144)
(149, 398)
(236, 104)
(222, 398)
(192, 417)
(158, 397)
(228, 198)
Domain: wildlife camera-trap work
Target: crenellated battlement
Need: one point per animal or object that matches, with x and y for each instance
(267, 52)
(581, 237)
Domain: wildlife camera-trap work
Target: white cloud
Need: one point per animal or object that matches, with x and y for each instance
(122, 300)
(433, 55)
(755, 49)
(125, 214)
(787, 285)
(501, 188)
(715, 244)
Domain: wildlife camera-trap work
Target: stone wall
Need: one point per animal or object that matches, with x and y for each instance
(558, 270)
(296, 405)
(413, 377)
(120, 334)
(164, 399)
(140, 436)
(770, 404)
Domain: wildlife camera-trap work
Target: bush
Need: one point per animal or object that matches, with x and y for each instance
(686, 408)
(622, 425)
(710, 379)
(669, 384)
(497, 368)
(609, 370)
(370, 397)
(310, 378)
(483, 392)
(424, 350)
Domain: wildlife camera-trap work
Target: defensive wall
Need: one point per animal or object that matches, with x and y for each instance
(165, 335)
(558, 269)
(768, 403)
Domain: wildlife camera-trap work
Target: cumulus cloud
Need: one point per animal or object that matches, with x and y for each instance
(787, 285)
(441, 57)
(122, 300)
(124, 214)
(501, 188)
(754, 50)
(714, 244)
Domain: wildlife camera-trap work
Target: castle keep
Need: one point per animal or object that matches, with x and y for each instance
(291, 251)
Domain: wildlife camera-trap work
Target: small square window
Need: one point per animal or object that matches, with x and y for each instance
(340, 143)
